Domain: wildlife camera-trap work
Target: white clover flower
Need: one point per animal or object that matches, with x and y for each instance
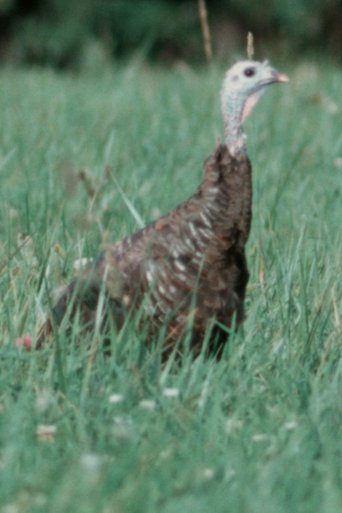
(90, 461)
(115, 398)
(171, 392)
(259, 437)
(208, 474)
(291, 425)
(148, 404)
(46, 432)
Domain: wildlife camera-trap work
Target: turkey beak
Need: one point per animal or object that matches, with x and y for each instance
(279, 78)
(274, 77)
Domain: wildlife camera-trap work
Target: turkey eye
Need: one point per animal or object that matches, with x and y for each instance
(249, 72)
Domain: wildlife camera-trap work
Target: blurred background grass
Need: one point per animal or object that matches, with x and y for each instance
(259, 431)
(91, 33)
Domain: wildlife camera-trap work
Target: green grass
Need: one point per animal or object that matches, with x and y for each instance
(259, 431)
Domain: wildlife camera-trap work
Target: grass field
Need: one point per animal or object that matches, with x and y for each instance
(259, 431)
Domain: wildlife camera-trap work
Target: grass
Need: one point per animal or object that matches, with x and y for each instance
(259, 431)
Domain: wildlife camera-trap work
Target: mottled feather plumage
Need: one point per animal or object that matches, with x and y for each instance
(188, 269)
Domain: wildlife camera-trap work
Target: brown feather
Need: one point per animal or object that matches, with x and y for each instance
(188, 270)
(190, 262)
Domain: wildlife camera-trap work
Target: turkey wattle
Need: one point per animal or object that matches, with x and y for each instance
(188, 269)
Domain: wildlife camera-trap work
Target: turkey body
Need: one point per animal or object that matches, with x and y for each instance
(187, 272)
(188, 269)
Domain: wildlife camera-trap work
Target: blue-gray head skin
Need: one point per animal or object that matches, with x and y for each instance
(243, 85)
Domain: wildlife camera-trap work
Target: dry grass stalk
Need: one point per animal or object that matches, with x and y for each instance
(335, 309)
(205, 30)
(250, 46)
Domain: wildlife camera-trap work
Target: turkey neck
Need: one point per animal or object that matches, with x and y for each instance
(232, 110)
(227, 190)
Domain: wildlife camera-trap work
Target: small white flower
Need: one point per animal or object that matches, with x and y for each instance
(148, 404)
(46, 432)
(291, 425)
(259, 437)
(80, 263)
(90, 461)
(233, 425)
(208, 474)
(115, 398)
(171, 392)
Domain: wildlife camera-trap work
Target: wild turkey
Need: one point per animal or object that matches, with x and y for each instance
(188, 269)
